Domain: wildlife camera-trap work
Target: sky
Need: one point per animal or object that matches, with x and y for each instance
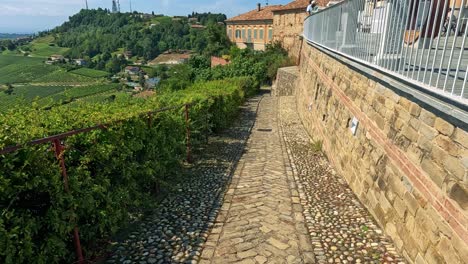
(30, 16)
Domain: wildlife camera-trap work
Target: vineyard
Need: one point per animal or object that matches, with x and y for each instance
(6, 60)
(24, 95)
(47, 96)
(62, 76)
(90, 73)
(111, 171)
(19, 69)
(77, 92)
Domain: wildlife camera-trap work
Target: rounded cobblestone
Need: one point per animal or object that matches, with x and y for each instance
(176, 231)
(342, 229)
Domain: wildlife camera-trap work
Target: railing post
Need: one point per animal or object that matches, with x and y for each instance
(58, 148)
(187, 125)
(150, 120)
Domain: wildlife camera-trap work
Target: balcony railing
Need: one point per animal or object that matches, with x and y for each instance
(423, 42)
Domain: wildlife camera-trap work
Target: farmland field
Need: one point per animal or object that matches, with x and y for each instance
(78, 92)
(24, 72)
(19, 69)
(6, 60)
(62, 76)
(51, 95)
(90, 73)
(26, 94)
(44, 47)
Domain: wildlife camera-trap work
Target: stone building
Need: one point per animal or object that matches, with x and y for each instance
(268, 24)
(288, 24)
(253, 29)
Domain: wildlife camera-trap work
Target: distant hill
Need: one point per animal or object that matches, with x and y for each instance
(13, 36)
(110, 41)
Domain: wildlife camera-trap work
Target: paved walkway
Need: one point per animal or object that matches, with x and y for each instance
(340, 227)
(266, 218)
(177, 229)
(261, 220)
(271, 199)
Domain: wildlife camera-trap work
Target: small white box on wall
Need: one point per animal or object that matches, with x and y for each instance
(354, 125)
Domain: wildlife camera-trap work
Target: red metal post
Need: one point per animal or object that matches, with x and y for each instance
(187, 125)
(76, 236)
(150, 120)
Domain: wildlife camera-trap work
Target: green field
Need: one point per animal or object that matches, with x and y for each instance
(90, 73)
(78, 92)
(6, 60)
(19, 69)
(24, 73)
(62, 76)
(26, 94)
(44, 47)
(51, 95)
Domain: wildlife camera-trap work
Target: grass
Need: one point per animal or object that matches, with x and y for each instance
(44, 47)
(44, 50)
(90, 73)
(317, 146)
(161, 19)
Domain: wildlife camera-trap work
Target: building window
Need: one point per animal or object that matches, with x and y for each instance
(238, 33)
(261, 33)
(243, 33)
(270, 34)
(255, 34)
(249, 34)
(230, 33)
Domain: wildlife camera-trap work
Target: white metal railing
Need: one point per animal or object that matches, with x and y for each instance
(421, 41)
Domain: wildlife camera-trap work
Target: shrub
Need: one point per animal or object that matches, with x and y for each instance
(112, 172)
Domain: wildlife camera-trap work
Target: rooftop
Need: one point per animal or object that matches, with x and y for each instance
(265, 13)
(301, 4)
(298, 4)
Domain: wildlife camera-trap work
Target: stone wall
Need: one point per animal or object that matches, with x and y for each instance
(285, 81)
(287, 29)
(406, 163)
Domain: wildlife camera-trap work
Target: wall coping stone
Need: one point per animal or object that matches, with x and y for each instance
(452, 111)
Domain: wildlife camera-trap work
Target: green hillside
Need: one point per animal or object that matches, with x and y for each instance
(91, 73)
(48, 95)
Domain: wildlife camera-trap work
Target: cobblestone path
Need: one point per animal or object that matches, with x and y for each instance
(341, 229)
(261, 220)
(272, 199)
(177, 229)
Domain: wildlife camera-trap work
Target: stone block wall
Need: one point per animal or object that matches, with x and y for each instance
(406, 163)
(288, 26)
(285, 81)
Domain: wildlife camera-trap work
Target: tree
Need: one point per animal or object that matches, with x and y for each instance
(141, 80)
(200, 62)
(9, 90)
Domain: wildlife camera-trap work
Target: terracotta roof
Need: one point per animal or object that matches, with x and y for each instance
(297, 4)
(301, 4)
(266, 13)
(215, 61)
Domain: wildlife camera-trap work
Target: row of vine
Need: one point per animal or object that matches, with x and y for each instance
(111, 171)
